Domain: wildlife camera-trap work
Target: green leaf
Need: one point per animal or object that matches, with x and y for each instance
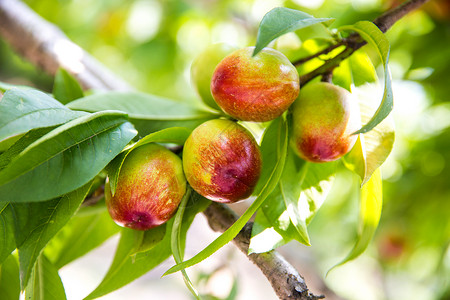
(372, 148)
(7, 240)
(37, 223)
(9, 279)
(66, 158)
(175, 243)
(126, 268)
(264, 236)
(281, 20)
(145, 127)
(22, 110)
(83, 233)
(373, 35)
(231, 232)
(146, 240)
(141, 106)
(45, 283)
(175, 135)
(370, 212)
(66, 88)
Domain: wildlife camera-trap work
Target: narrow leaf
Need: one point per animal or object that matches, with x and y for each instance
(372, 148)
(281, 20)
(176, 135)
(37, 223)
(373, 35)
(66, 88)
(7, 240)
(140, 106)
(125, 268)
(66, 158)
(175, 243)
(9, 279)
(45, 283)
(22, 110)
(80, 235)
(231, 232)
(370, 212)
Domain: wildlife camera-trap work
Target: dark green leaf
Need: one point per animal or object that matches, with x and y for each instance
(66, 158)
(126, 268)
(373, 35)
(66, 88)
(231, 232)
(37, 223)
(22, 110)
(45, 283)
(7, 240)
(370, 212)
(175, 243)
(141, 106)
(175, 135)
(81, 234)
(9, 279)
(281, 20)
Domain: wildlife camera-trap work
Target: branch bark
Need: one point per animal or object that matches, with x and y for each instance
(354, 41)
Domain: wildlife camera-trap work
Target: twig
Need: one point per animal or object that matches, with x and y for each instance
(285, 280)
(46, 46)
(354, 41)
(36, 40)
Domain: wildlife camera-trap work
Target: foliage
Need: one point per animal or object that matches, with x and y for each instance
(59, 147)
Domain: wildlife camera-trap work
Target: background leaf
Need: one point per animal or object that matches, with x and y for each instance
(175, 135)
(141, 106)
(65, 158)
(125, 268)
(232, 231)
(22, 110)
(370, 212)
(45, 283)
(37, 223)
(9, 279)
(66, 88)
(83, 233)
(373, 35)
(281, 20)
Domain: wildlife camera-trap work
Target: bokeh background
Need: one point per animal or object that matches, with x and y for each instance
(152, 43)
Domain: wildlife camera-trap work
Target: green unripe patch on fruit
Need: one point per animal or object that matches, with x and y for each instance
(203, 67)
(149, 189)
(324, 118)
(255, 88)
(222, 161)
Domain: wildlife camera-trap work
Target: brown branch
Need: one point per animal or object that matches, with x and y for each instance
(37, 40)
(354, 41)
(46, 46)
(285, 280)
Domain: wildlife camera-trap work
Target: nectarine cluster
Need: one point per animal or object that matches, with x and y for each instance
(221, 159)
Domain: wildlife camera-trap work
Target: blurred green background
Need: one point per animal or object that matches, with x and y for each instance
(151, 43)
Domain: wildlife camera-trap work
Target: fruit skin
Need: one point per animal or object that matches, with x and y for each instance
(202, 69)
(222, 161)
(324, 118)
(149, 189)
(256, 88)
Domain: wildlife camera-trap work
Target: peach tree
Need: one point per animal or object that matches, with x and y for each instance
(273, 128)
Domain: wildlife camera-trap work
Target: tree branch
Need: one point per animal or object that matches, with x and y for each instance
(46, 46)
(353, 42)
